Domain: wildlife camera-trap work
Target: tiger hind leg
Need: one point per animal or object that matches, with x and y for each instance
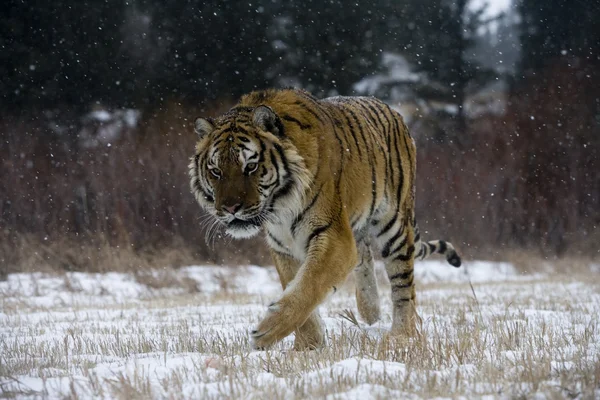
(396, 239)
(367, 295)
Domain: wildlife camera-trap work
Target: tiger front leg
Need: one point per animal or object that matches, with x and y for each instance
(310, 335)
(331, 256)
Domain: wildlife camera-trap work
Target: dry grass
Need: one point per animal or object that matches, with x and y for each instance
(508, 339)
(27, 253)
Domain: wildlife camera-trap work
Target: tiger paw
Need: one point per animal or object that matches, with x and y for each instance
(282, 319)
(311, 335)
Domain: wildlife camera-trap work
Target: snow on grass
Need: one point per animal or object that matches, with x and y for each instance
(486, 331)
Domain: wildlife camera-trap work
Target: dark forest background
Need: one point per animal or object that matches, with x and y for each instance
(97, 96)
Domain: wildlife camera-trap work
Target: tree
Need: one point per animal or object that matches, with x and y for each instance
(324, 47)
(557, 29)
(448, 37)
(555, 107)
(59, 53)
(208, 49)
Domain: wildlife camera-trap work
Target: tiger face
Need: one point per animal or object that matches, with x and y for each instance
(241, 170)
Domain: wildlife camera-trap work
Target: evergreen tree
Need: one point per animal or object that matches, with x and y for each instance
(551, 30)
(59, 52)
(209, 49)
(556, 111)
(325, 46)
(443, 55)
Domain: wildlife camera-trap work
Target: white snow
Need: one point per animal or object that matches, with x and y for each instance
(487, 327)
(397, 71)
(102, 127)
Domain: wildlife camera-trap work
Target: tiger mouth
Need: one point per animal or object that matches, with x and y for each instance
(237, 223)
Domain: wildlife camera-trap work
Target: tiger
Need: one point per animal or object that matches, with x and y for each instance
(326, 180)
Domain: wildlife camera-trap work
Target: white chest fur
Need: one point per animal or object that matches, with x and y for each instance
(280, 238)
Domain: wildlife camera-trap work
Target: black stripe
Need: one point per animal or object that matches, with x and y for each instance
(207, 196)
(443, 247)
(368, 115)
(230, 128)
(400, 246)
(295, 121)
(217, 142)
(389, 168)
(368, 104)
(284, 190)
(239, 109)
(403, 285)
(301, 215)
(431, 247)
(279, 127)
(340, 125)
(410, 160)
(281, 155)
(402, 275)
(243, 146)
(277, 242)
(388, 226)
(310, 110)
(407, 256)
(386, 249)
(275, 164)
(264, 172)
(352, 133)
(393, 135)
(287, 183)
(373, 189)
(360, 127)
(400, 183)
(198, 187)
(341, 167)
(307, 96)
(235, 129)
(262, 150)
(268, 186)
(316, 232)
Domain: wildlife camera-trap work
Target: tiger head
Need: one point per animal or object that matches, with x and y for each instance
(245, 172)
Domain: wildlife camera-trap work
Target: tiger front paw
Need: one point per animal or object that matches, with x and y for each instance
(282, 318)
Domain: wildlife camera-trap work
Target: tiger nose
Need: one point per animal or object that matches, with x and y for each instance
(232, 209)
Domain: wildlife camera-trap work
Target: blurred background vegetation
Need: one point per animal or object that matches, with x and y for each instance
(96, 99)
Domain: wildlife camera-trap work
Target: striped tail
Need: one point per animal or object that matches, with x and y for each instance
(425, 249)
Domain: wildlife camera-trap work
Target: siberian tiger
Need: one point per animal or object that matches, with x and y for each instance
(323, 179)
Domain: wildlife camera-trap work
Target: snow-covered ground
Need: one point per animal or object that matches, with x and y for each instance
(486, 331)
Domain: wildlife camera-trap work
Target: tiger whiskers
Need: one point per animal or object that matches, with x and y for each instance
(211, 233)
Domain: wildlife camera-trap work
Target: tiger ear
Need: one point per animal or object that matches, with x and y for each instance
(203, 127)
(265, 118)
